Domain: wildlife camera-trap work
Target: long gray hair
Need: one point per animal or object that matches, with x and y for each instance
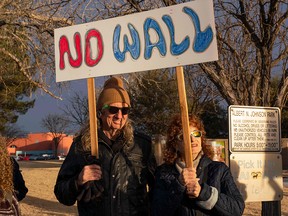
(86, 138)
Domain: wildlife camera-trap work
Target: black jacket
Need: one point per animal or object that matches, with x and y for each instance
(126, 171)
(18, 181)
(169, 197)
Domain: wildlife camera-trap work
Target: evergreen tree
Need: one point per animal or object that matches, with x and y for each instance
(15, 87)
(154, 98)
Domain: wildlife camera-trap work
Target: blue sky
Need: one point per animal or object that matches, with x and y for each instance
(45, 104)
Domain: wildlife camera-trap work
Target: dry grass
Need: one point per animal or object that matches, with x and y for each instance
(40, 177)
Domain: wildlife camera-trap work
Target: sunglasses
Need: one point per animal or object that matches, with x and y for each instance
(193, 133)
(114, 110)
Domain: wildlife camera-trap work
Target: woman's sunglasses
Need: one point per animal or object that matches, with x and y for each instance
(193, 133)
(114, 110)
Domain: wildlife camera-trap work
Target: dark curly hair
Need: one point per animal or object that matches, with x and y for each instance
(174, 129)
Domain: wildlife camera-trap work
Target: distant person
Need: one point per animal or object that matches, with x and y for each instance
(206, 189)
(116, 184)
(12, 184)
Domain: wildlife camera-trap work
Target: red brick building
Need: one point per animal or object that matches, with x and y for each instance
(39, 143)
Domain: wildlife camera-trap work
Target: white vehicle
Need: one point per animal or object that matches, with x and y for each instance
(61, 157)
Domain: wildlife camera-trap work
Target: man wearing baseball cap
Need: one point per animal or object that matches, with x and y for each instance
(116, 183)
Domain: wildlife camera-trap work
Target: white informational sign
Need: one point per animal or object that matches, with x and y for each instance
(254, 129)
(258, 176)
(167, 37)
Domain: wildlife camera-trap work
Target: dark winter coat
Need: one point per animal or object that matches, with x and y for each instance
(170, 199)
(126, 172)
(18, 181)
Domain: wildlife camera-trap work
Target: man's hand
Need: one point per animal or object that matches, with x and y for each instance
(89, 173)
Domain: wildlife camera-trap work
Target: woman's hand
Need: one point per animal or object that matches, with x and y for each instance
(189, 179)
(89, 173)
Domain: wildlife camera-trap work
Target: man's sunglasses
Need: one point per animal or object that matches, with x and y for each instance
(114, 110)
(193, 133)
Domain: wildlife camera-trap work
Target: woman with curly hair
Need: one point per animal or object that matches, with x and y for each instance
(206, 189)
(12, 184)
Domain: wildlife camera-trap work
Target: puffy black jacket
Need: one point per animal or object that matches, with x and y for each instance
(18, 182)
(126, 172)
(170, 199)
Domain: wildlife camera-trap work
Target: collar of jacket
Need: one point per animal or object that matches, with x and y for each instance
(102, 137)
(116, 145)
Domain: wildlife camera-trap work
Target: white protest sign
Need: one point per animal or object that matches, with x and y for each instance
(254, 129)
(167, 37)
(258, 176)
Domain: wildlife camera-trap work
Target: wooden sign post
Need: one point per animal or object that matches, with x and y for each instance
(92, 116)
(80, 49)
(184, 116)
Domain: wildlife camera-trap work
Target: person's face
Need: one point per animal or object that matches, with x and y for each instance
(114, 118)
(196, 142)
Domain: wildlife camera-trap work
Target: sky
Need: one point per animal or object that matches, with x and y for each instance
(45, 104)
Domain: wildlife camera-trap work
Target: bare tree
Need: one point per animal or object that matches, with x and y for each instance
(251, 36)
(77, 109)
(252, 44)
(27, 50)
(201, 92)
(31, 24)
(57, 126)
(253, 47)
(11, 133)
